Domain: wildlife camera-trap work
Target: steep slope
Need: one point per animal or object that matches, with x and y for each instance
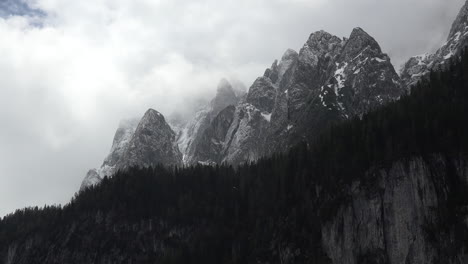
(153, 143)
(210, 147)
(418, 67)
(142, 143)
(329, 80)
(122, 138)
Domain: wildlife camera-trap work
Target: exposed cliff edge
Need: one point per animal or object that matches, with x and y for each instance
(402, 214)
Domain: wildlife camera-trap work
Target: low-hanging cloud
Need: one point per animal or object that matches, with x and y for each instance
(70, 70)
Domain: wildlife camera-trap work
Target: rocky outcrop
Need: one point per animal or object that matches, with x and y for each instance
(153, 143)
(210, 148)
(141, 143)
(418, 67)
(397, 215)
(191, 138)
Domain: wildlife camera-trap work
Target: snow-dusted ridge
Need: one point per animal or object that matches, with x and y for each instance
(330, 79)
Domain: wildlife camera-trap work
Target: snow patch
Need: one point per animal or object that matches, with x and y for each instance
(267, 116)
(379, 60)
(448, 56)
(340, 77)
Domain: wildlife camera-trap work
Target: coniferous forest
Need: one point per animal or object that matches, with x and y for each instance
(264, 212)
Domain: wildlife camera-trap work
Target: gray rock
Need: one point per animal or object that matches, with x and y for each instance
(141, 143)
(191, 138)
(153, 143)
(329, 80)
(210, 149)
(418, 67)
(389, 219)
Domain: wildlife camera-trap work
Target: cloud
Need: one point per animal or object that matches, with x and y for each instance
(70, 70)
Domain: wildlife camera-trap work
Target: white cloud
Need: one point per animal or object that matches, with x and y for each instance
(65, 85)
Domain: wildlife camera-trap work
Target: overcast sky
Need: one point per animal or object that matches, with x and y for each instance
(70, 70)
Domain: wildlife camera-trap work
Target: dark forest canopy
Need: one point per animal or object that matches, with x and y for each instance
(223, 214)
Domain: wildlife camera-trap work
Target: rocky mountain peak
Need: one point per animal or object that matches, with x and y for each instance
(418, 67)
(122, 136)
(262, 95)
(152, 116)
(289, 55)
(461, 22)
(225, 96)
(154, 142)
(321, 43)
(360, 41)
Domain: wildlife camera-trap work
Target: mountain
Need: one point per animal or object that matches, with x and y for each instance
(122, 138)
(140, 143)
(418, 67)
(388, 187)
(154, 142)
(329, 80)
(191, 138)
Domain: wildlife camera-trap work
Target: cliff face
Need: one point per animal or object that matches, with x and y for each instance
(153, 143)
(401, 216)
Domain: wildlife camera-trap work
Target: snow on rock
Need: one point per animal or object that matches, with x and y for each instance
(340, 77)
(267, 116)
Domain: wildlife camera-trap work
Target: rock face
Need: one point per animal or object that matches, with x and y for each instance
(210, 147)
(142, 143)
(122, 138)
(333, 79)
(390, 219)
(153, 143)
(191, 138)
(418, 67)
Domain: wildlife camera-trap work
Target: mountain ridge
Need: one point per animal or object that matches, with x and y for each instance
(329, 80)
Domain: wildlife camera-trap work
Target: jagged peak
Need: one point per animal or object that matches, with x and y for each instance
(359, 31)
(321, 36)
(225, 95)
(362, 38)
(152, 115)
(274, 64)
(359, 41)
(320, 44)
(460, 22)
(289, 54)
